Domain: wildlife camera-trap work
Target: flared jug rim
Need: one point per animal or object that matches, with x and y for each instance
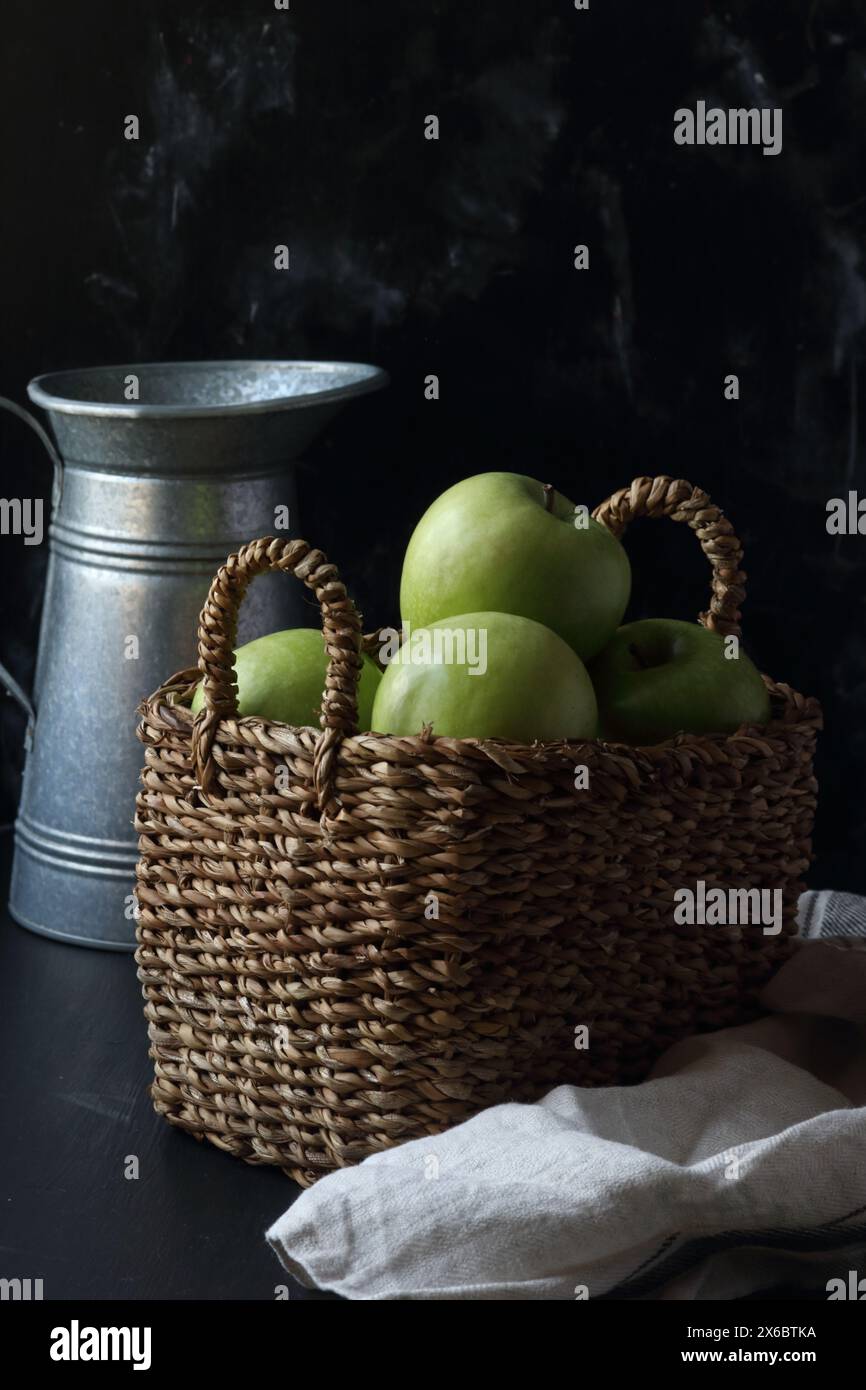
(238, 386)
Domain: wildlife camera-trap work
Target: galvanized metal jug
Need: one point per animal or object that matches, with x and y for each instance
(166, 469)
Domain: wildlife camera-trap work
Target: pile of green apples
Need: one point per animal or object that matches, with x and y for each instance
(511, 601)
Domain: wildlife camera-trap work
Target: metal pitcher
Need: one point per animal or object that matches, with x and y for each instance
(163, 470)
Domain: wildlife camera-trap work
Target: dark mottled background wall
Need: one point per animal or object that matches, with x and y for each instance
(306, 127)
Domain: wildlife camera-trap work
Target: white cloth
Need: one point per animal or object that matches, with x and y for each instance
(738, 1165)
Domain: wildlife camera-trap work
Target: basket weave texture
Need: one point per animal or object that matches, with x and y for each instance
(349, 940)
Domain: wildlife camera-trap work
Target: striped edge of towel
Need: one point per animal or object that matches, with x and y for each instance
(677, 1255)
(822, 914)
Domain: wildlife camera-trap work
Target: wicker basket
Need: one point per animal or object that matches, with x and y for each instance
(306, 1004)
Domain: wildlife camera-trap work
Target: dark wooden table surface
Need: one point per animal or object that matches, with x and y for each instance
(74, 1072)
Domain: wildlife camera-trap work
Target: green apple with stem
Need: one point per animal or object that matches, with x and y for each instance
(486, 675)
(282, 676)
(660, 677)
(504, 542)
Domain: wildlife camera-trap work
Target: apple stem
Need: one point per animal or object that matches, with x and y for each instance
(549, 494)
(637, 656)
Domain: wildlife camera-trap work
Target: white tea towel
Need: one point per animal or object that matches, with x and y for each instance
(831, 914)
(740, 1163)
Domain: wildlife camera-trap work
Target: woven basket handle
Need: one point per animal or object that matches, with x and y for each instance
(682, 502)
(217, 636)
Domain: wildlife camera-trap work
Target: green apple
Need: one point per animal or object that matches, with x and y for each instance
(504, 541)
(486, 675)
(660, 677)
(282, 676)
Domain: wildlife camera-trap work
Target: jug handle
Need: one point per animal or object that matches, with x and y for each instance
(47, 441)
(6, 678)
